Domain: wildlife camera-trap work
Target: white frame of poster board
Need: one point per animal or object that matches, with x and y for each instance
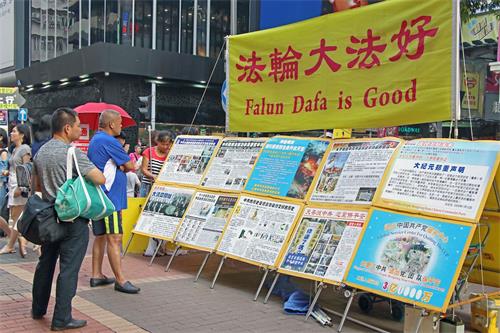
(402, 299)
(210, 163)
(289, 199)
(327, 154)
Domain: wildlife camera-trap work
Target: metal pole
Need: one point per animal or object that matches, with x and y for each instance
(155, 253)
(272, 287)
(348, 306)
(217, 272)
(128, 244)
(356, 321)
(172, 258)
(497, 194)
(153, 106)
(202, 266)
(311, 307)
(234, 17)
(195, 27)
(261, 284)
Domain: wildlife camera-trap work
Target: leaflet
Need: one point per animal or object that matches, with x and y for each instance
(205, 219)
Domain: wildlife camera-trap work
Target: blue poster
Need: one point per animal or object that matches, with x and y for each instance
(411, 258)
(287, 166)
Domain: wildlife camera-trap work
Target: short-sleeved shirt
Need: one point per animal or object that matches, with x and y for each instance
(50, 166)
(16, 158)
(107, 154)
(156, 163)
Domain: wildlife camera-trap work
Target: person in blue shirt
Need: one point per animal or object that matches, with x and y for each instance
(106, 152)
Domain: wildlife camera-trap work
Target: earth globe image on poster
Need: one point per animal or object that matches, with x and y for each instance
(408, 254)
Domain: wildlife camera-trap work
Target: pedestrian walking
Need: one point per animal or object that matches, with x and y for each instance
(4, 171)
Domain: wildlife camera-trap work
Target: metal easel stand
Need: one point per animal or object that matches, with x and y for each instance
(266, 271)
(356, 321)
(156, 252)
(350, 294)
(172, 258)
(202, 266)
(272, 287)
(128, 245)
(320, 288)
(217, 272)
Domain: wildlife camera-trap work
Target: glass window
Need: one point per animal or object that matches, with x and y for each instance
(143, 29)
(43, 30)
(201, 28)
(73, 25)
(97, 21)
(167, 30)
(187, 21)
(35, 30)
(125, 10)
(85, 22)
(112, 21)
(51, 29)
(243, 16)
(219, 25)
(62, 15)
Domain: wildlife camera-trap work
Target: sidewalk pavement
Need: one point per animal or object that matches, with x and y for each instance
(171, 301)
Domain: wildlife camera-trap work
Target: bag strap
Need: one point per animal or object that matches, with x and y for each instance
(72, 152)
(69, 163)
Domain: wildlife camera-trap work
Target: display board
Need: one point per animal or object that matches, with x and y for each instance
(287, 166)
(205, 219)
(163, 211)
(411, 258)
(493, 201)
(232, 164)
(323, 243)
(440, 177)
(188, 159)
(258, 229)
(353, 171)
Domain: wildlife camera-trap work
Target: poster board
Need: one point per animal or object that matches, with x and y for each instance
(492, 202)
(163, 211)
(205, 219)
(188, 158)
(258, 230)
(232, 164)
(287, 166)
(440, 177)
(353, 171)
(323, 243)
(411, 258)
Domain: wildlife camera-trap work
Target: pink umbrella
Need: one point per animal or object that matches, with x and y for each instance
(89, 114)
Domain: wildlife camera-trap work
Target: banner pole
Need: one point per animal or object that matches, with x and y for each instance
(202, 266)
(172, 258)
(217, 272)
(346, 310)
(272, 287)
(316, 297)
(128, 244)
(266, 271)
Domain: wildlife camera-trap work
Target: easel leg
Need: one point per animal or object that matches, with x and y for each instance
(156, 252)
(128, 244)
(311, 307)
(202, 266)
(497, 194)
(261, 284)
(217, 272)
(346, 311)
(272, 287)
(172, 258)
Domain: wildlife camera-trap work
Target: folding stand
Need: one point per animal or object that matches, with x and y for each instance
(351, 295)
(155, 253)
(261, 283)
(128, 244)
(320, 288)
(202, 266)
(217, 272)
(172, 258)
(272, 287)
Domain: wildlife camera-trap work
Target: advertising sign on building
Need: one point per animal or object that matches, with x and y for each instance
(470, 86)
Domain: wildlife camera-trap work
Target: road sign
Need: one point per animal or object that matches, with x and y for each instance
(22, 115)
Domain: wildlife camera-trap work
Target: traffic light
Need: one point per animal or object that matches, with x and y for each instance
(145, 108)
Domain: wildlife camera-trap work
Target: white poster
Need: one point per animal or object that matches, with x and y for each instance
(8, 33)
(188, 158)
(353, 171)
(205, 219)
(232, 164)
(163, 211)
(258, 229)
(323, 243)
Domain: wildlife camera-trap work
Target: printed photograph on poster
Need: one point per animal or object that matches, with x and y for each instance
(353, 171)
(163, 211)
(287, 166)
(205, 219)
(323, 243)
(188, 159)
(412, 258)
(444, 178)
(232, 164)
(258, 229)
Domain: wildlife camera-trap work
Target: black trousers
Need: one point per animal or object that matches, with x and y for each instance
(70, 251)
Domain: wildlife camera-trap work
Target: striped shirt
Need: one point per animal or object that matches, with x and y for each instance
(156, 163)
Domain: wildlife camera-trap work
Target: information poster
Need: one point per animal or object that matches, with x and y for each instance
(188, 159)
(411, 258)
(493, 201)
(287, 166)
(323, 243)
(163, 211)
(232, 164)
(205, 219)
(258, 229)
(445, 178)
(353, 171)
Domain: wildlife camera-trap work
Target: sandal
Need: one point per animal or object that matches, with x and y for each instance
(5, 251)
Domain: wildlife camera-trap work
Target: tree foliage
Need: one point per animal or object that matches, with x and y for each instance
(471, 8)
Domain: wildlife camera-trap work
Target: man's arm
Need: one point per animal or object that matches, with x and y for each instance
(129, 166)
(36, 183)
(96, 177)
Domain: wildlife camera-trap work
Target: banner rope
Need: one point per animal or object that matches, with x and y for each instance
(465, 84)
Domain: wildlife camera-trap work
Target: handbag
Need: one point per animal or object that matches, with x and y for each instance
(80, 198)
(38, 222)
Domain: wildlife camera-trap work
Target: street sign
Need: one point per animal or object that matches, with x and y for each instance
(10, 98)
(22, 115)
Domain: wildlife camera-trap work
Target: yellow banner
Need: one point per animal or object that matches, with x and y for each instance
(381, 65)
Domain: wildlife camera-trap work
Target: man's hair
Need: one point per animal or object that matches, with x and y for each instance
(62, 117)
(107, 116)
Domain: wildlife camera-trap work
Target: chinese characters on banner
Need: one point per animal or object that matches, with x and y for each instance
(286, 167)
(445, 178)
(232, 164)
(258, 229)
(323, 243)
(187, 159)
(411, 258)
(163, 211)
(8, 98)
(353, 171)
(470, 86)
(394, 67)
(205, 219)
